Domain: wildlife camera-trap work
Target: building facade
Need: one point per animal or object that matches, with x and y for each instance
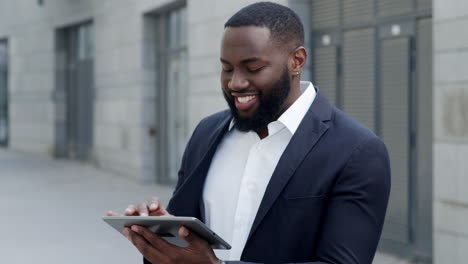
(121, 84)
(450, 139)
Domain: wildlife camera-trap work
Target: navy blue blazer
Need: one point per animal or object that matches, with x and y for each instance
(326, 200)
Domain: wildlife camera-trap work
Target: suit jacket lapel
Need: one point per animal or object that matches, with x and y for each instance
(308, 133)
(186, 201)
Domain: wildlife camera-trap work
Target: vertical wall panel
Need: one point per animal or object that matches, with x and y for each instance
(325, 63)
(357, 11)
(394, 7)
(424, 134)
(395, 102)
(325, 13)
(358, 73)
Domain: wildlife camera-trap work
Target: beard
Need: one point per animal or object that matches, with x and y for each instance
(270, 107)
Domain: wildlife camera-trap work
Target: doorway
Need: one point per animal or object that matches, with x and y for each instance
(74, 93)
(171, 88)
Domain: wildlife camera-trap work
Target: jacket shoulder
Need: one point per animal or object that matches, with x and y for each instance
(215, 119)
(350, 127)
(206, 129)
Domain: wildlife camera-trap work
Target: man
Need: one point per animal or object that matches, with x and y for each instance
(284, 176)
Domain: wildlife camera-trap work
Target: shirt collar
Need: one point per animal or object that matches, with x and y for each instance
(293, 116)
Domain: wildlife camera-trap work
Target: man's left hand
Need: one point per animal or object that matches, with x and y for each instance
(158, 251)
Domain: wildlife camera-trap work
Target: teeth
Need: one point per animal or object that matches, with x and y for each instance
(245, 99)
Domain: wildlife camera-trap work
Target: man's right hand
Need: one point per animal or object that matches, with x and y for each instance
(153, 208)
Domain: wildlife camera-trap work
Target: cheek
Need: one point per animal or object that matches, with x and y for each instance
(224, 82)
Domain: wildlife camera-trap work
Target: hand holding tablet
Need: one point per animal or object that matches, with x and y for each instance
(161, 237)
(167, 227)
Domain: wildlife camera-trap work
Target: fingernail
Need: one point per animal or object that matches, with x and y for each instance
(135, 228)
(143, 214)
(128, 210)
(153, 206)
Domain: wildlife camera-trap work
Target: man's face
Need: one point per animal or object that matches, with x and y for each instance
(255, 78)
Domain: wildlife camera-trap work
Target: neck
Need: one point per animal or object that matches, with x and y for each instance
(262, 132)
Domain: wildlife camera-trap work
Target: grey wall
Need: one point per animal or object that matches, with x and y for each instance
(451, 131)
(124, 73)
(120, 122)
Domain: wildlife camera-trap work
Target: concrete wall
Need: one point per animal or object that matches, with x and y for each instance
(125, 90)
(451, 131)
(120, 126)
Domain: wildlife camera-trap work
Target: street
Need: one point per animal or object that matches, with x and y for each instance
(51, 212)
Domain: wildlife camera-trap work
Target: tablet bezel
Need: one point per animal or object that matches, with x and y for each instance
(168, 227)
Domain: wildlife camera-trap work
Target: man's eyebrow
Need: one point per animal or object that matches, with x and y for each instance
(248, 60)
(224, 61)
(253, 59)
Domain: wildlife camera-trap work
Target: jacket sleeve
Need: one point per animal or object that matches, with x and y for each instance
(356, 208)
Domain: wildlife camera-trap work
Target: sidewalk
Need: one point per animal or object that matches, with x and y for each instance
(51, 212)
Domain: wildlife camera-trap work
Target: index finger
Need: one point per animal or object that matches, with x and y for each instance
(154, 203)
(130, 210)
(143, 209)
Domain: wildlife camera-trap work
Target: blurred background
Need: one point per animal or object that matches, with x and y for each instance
(98, 99)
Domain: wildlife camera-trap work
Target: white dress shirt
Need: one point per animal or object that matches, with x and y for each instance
(240, 171)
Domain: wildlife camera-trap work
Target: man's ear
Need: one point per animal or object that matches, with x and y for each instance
(297, 61)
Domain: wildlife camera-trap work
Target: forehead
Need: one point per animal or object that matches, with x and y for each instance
(247, 41)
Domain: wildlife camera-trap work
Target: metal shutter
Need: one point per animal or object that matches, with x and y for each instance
(395, 132)
(424, 4)
(358, 75)
(394, 7)
(325, 71)
(357, 11)
(325, 13)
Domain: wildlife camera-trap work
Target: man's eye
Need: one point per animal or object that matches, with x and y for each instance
(227, 70)
(256, 69)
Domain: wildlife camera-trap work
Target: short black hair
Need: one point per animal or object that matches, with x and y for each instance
(284, 24)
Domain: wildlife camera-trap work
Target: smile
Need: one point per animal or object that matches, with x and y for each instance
(244, 102)
(245, 99)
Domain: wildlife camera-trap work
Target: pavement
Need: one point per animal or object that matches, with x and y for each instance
(51, 212)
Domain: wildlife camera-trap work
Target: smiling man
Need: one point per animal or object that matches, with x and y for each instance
(283, 176)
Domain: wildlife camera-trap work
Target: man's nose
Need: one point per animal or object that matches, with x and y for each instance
(238, 81)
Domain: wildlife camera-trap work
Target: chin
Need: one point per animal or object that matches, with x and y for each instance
(244, 115)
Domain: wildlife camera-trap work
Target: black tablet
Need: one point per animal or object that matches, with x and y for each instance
(167, 227)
